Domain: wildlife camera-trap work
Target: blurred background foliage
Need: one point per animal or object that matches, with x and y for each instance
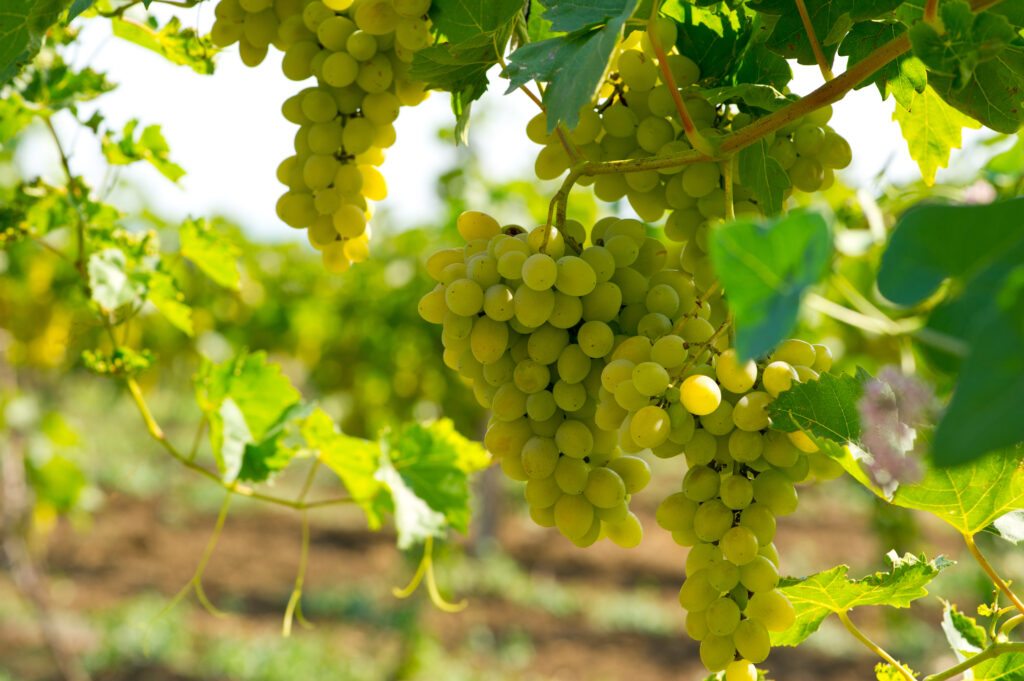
(120, 525)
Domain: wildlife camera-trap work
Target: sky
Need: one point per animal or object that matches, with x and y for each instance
(228, 133)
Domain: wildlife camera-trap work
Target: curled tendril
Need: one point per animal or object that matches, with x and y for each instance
(426, 569)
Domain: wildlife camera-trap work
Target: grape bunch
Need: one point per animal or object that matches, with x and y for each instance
(637, 118)
(360, 52)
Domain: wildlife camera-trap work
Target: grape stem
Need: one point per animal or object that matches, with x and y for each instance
(812, 38)
(844, 617)
(730, 205)
(294, 608)
(991, 572)
(697, 140)
(931, 11)
(994, 650)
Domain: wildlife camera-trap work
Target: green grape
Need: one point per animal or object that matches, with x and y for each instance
(772, 609)
(551, 161)
(740, 670)
(696, 625)
(610, 187)
(432, 307)
(605, 489)
(540, 456)
(510, 265)
(653, 325)
(701, 483)
(835, 151)
(349, 221)
(573, 364)
(376, 17)
(296, 64)
(531, 377)
(603, 303)
(669, 351)
(546, 344)
(628, 397)
(722, 616)
(653, 133)
(375, 74)
(650, 379)
(464, 297)
(751, 411)
(769, 552)
(543, 517)
(779, 451)
(676, 512)
(348, 180)
(504, 438)
(734, 376)
(736, 492)
(808, 139)
(297, 209)
(615, 372)
(700, 179)
(619, 121)
(540, 406)
(684, 70)
(642, 180)
(723, 575)
(718, 422)
(822, 358)
(796, 352)
(783, 151)
(627, 533)
(663, 299)
(357, 135)
(712, 520)
(574, 276)
(537, 130)
(540, 272)
(634, 471)
(650, 205)
(533, 307)
(758, 517)
(339, 69)
(716, 652)
(483, 269)
(701, 448)
(773, 489)
(752, 640)
(807, 174)
(489, 340)
(334, 31)
(574, 515)
(638, 72)
(697, 331)
(696, 593)
(314, 13)
(760, 574)
(739, 545)
(324, 138)
(318, 105)
(650, 426)
(574, 439)
(778, 377)
(567, 312)
(381, 108)
(571, 475)
(595, 339)
(601, 262)
(509, 403)
(701, 556)
(260, 29)
(700, 394)
(512, 467)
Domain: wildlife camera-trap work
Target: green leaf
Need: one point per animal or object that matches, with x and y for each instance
(426, 470)
(574, 65)
(179, 46)
(964, 635)
(51, 85)
(826, 408)
(150, 146)
(13, 117)
(353, 460)
(243, 398)
(763, 175)
(111, 284)
(754, 95)
(967, 39)
(715, 39)
(165, 295)
(473, 21)
(1004, 667)
(58, 482)
(765, 266)
(958, 496)
(537, 26)
(211, 251)
(981, 247)
(23, 23)
(567, 16)
(815, 597)
(77, 7)
(931, 128)
(262, 459)
(902, 77)
(1010, 527)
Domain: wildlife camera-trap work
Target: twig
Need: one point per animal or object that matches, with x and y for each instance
(730, 206)
(72, 189)
(844, 617)
(812, 38)
(294, 608)
(993, 650)
(931, 8)
(991, 572)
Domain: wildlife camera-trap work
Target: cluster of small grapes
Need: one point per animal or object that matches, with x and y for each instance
(638, 119)
(531, 326)
(360, 52)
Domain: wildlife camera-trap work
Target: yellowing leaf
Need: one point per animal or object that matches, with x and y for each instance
(932, 128)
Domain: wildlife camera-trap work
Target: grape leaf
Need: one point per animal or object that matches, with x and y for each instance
(111, 282)
(967, 39)
(355, 461)
(815, 597)
(211, 251)
(758, 96)
(59, 482)
(243, 399)
(931, 128)
(537, 26)
(763, 175)
(567, 16)
(165, 295)
(826, 408)
(765, 266)
(982, 247)
(970, 496)
(176, 44)
(56, 85)
(262, 459)
(23, 23)
(964, 635)
(1010, 527)
(573, 65)
(714, 39)
(902, 77)
(150, 147)
(1004, 667)
(77, 7)
(995, 93)
(473, 21)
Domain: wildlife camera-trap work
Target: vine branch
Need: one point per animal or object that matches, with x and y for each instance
(812, 38)
(991, 572)
(844, 617)
(993, 650)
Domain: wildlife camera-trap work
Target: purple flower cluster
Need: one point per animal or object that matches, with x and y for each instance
(893, 406)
